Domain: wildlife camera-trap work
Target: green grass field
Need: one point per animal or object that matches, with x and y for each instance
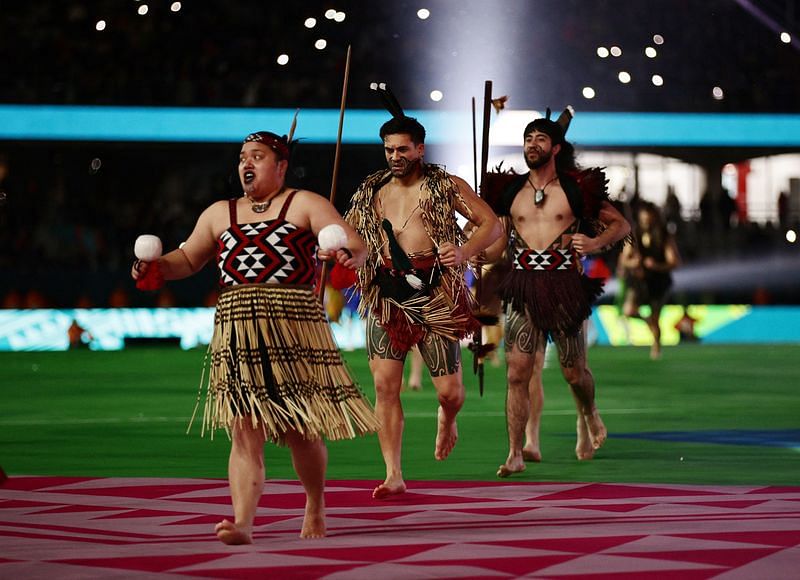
(125, 413)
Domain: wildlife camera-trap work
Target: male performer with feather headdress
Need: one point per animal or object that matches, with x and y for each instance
(553, 215)
(412, 285)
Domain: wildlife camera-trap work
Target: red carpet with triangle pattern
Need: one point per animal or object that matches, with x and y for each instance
(70, 528)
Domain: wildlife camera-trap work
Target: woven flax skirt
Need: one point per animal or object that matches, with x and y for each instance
(273, 357)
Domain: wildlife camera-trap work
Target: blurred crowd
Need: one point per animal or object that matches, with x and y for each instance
(198, 57)
(70, 217)
(69, 220)
(224, 55)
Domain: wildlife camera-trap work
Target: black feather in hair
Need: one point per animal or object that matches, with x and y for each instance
(565, 117)
(388, 99)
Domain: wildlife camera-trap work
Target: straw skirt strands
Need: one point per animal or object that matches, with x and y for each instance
(273, 357)
(448, 311)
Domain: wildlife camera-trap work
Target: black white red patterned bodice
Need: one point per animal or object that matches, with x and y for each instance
(268, 252)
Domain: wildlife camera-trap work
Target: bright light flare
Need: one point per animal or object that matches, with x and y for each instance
(615, 51)
(588, 93)
(791, 236)
(624, 77)
(339, 17)
(175, 7)
(657, 80)
(330, 14)
(310, 22)
(283, 59)
(143, 9)
(100, 26)
(718, 93)
(658, 39)
(437, 96)
(320, 44)
(423, 13)
(650, 52)
(786, 38)
(602, 52)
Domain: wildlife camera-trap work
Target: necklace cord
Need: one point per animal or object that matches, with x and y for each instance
(538, 192)
(262, 206)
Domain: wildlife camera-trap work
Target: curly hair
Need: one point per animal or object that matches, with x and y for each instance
(404, 125)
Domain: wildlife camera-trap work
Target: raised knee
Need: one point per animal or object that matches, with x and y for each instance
(454, 398)
(450, 392)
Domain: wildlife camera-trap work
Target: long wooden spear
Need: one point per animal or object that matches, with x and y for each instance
(475, 183)
(323, 277)
(478, 350)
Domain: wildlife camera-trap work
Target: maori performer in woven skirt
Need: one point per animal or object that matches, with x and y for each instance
(276, 373)
(412, 287)
(554, 215)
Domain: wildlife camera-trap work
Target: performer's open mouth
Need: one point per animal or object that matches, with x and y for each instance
(249, 176)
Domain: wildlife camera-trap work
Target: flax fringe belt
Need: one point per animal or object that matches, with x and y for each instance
(273, 358)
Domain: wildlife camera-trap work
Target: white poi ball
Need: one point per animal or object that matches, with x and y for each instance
(147, 248)
(332, 237)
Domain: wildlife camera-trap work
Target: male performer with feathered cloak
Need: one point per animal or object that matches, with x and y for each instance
(412, 284)
(553, 216)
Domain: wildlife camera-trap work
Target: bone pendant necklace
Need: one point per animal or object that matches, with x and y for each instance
(538, 192)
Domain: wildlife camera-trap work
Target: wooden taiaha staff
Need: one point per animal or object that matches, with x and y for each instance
(323, 277)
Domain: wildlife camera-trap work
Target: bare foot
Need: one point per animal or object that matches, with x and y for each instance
(531, 453)
(583, 448)
(446, 437)
(514, 464)
(229, 533)
(389, 488)
(597, 430)
(313, 523)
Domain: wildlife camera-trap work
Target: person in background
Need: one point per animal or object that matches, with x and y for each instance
(685, 327)
(648, 264)
(415, 370)
(78, 336)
